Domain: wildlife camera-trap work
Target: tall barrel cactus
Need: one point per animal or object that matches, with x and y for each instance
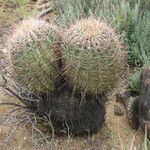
(32, 56)
(93, 56)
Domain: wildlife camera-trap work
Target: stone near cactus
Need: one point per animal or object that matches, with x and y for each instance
(132, 111)
(118, 111)
(138, 108)
(144, 100)
(93, 57)
(123, 96)
(131, 105)
(32, 56)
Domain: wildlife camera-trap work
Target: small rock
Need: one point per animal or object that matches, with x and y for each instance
(144, 100)
(123, 96)
(118, 111)
(132, 111)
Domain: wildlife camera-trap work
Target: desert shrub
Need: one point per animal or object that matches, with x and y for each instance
(134, 78)
(70, 11)
(93, 56)
(136, 30)
(127, 19)
(134, 81)
(143, 37)
(130, 18)
(32, 56)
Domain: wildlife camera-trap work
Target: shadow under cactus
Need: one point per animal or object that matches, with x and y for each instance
(62, 110)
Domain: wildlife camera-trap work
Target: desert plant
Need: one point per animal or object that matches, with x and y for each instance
(130, 18)
(70, 11)
(127, 18)
(93, 55)
(143, 37)
(134, 78)
(134, 81)
(32, 56)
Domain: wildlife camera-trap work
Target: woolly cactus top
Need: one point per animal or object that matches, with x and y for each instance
(31, 29)
(90, 33)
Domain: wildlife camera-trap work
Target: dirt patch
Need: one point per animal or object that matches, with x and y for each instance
(121, 130)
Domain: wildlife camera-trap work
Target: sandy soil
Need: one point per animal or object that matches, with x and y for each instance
(116, 130)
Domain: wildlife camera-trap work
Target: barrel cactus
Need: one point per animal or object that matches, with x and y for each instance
(94, 59)
(32, 56)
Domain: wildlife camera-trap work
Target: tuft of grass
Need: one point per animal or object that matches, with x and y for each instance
(25, 11)
(132, 146)
(134, 81)
(21, 2)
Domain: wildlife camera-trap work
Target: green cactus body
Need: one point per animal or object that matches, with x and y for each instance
(93, 57)
(32, 56)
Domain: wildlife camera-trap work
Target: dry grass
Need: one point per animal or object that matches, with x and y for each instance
(107, 138)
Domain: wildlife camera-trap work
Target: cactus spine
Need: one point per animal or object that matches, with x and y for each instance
(93, 56)
(32, 56)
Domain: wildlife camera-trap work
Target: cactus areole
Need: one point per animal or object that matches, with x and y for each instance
(93, 56)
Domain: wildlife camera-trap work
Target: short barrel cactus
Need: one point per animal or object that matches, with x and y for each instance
(94, 59)
(32, 55)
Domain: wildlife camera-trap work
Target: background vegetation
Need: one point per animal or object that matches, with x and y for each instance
(131, 18)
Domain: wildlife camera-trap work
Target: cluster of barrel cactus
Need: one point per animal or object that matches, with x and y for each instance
(90, 51)
(58, 65)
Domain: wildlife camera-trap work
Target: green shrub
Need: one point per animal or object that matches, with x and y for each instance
(127, 18)
(70, 11)
(134, 81)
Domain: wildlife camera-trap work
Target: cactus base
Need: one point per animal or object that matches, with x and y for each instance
(72, 114)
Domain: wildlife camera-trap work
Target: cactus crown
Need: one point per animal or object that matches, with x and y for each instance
(32, 57)
(91, 33)
(31, 29)
(93, 55)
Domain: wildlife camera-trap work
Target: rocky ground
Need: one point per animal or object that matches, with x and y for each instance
(116, 129)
